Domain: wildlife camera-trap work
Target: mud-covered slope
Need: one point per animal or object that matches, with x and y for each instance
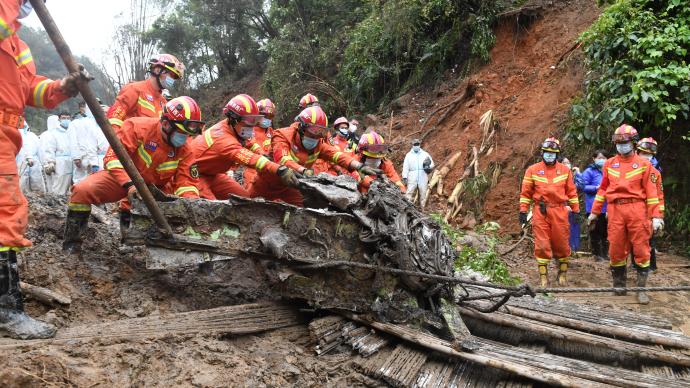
(532, 77)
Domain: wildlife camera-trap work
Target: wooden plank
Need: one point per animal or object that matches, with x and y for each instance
(238, 320)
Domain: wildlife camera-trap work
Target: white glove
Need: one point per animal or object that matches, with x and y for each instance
(592, 217)
(569, 209)
(658, 225)
(30, 162)
(49, 168)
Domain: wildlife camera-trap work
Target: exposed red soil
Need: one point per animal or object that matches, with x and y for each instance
(529, 98)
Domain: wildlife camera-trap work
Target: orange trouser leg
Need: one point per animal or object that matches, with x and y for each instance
(628, 226)
(271, 190)
(96, 189)
(223, 186)
(249, 176)
(551, 232)
(14, 208)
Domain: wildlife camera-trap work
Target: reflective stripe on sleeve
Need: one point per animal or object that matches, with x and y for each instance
(113, 164)
(79, 207)
(114, 121)
(186, 189)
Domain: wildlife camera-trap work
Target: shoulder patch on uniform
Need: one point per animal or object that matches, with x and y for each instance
(194, 170)
(635, 165)
(151, 145)
(653, 177)
(171, 154)
(540, 172)
(149, 97)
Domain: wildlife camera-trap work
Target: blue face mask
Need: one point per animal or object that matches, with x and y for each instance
(265, 123)
(246, 132)
(549, 157)
(25, 10)
(624, 148)
(64, 123)
(178, 139)
(599, 162)
(416, 149)
(169, 82)
(310, 143)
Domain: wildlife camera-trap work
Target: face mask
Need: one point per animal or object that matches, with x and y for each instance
(599, 162)
(24, 130)
(549, 157)
(309, 143)
(25, 10)
(343, 131)
(646, 156)
(353, 128)
(177, 139)
(624, 148)
(64, 123)
(416, 149)
(246, 132)
(265, 123)
(169, 82)
(373, 162)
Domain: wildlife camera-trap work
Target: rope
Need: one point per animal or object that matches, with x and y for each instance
(517, 291)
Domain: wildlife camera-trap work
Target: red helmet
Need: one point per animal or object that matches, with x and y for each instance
(551, 144)
(647, 145)
(624, 134)
(372, 145)
(168, 62)
(185, 114)
(243, 108)
(266, 107)
(313, 121)
(308, 100)
(340, 120)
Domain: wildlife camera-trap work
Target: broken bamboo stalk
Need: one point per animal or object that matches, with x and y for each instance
(44, 295)
(547, 330)
(439, 189)
(440, 174)
(607, 330)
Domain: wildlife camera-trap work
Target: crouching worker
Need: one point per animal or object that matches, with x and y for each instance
(372, 152)
(161, 152)
(226, 146)
(298, 147)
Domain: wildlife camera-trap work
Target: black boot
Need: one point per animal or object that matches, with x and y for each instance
(618, 275)
(642, 274)
(13, 321)
(75, 227)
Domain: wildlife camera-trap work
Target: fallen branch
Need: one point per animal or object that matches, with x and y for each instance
(440, 174)
(44, 295)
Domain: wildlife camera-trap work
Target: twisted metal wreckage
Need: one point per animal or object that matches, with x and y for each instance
(386, 271)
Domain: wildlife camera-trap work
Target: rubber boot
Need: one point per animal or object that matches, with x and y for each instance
(543, 275)
(562, 270)
(642, 275)
(618, 275)
(75, 227)
(13, 320)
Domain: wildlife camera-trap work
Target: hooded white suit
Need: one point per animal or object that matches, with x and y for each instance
(84, 146)
(29, 163)
(417, 178)
(55, 143)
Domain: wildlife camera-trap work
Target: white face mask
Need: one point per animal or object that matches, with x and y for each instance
(549, 157)
(624, 148)
(646, 155)
(353, 128)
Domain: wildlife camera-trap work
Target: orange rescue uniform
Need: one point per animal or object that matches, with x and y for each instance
(219, 150)
(388, 168)
(555, 188)
(287, 150)
(19, 87)
(157, 161)
(342, 144)
(136, 99)
(262, 146)
(629, 185)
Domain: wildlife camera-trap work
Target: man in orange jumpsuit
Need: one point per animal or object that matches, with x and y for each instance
(160, 151)
(225, 146)
(145, 98)
(630, 189)
(372, 152)
(19, 87)
(298, 147)
(646, 148)
(263, 133)
(338, 139)
(549, 185)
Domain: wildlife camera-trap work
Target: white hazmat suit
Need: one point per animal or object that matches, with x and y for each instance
(417, 178)
(55, 143)
(29, 163)
(84, 145)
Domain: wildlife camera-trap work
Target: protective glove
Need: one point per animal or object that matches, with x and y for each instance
(30, 162)
(569, 209)
(49, 168)
(288, 177)
(132, 193)
(404, 181)
(69, 84)
(658, 225)
(591, 220)
(77, 162)
(308, 172)
(366, 171)
(523, 219)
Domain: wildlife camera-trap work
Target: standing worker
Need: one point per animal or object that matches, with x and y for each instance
(589, 182)
(417, 166)
(19, 87)
(646, 148)
(55, 143)
(145, 98)
(30, 162)
(628, 185)
(549, 185)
